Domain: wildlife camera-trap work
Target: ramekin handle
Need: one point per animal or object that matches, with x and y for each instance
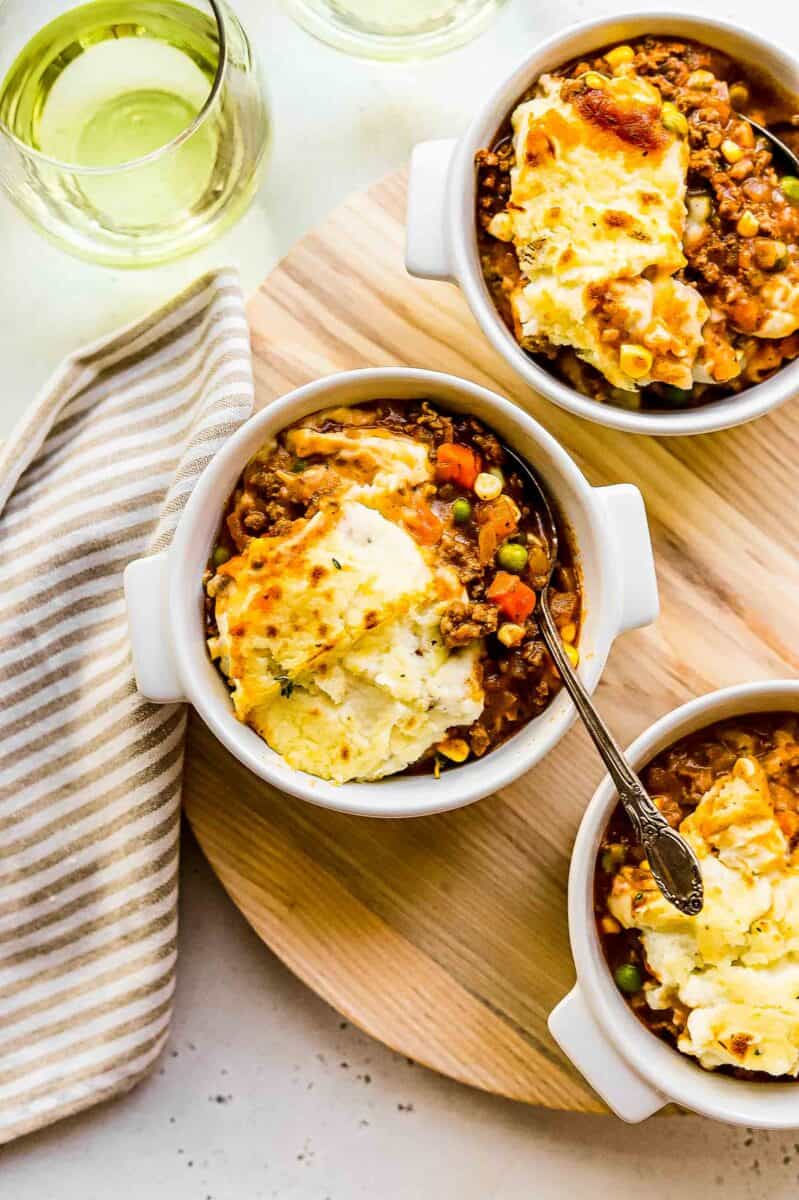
(574, 1028)
(629, 529)
(426, 249)
(146, 599)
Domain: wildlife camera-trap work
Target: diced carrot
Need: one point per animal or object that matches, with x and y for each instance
(423, 524)
(518, 603)
(458, 464)
(502, 583)
(512, 597)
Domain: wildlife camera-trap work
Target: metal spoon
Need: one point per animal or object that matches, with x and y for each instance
(672, 861)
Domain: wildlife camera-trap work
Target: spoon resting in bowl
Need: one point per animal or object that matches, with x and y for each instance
(673, 863)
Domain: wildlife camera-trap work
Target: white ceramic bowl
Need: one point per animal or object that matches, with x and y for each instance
(165, 597)
(441, 239)
(632, 1069)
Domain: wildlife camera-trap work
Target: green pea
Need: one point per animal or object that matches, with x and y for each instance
(628, 978)
(461, 511)
(613, 856)
(790, 187)
(624, 399)
(674, 397)
(512, 557)
(674, 120)
(221, 555)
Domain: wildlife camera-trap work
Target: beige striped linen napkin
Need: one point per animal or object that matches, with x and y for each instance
(97, 475)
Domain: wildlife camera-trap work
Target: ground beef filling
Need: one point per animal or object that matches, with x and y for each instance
(677, 779)
(462, 623)
(519, 678)
(742, 226)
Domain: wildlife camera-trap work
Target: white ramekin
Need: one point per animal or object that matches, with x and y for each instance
(165, 596)
(633, 1070)
(442, 244)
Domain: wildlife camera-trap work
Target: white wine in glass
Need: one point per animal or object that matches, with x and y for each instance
(131, 130)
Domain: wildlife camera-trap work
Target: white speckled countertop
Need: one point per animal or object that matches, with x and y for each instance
(264, 1091)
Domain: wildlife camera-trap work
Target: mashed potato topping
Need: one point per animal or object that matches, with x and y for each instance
(597, 216)
(329, 634)
(636, 232)
(370, 596)
(735, 967)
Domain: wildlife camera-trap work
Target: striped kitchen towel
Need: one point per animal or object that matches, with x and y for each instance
(97, 475)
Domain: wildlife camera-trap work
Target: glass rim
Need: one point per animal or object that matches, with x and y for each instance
(160, 151)
(392, 47)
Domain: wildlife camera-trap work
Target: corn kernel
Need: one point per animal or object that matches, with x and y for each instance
(501, 227)
(487, 487)
(593, 79)
(702, 80)
(635, 361)
(572, 653)
(620, 55)
(510, 634)
(745, 135)
(569, 632)
(770, 254)
(673, 119)
(739, 95)
(610, 925)
(455, 749)
(742, 169)
(748, 224)
(731, 151)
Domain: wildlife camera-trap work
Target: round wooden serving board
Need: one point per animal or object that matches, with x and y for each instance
(446, 936)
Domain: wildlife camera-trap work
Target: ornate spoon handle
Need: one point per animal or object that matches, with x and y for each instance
(672, 861)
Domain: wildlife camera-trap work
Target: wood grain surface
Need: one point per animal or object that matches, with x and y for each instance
(446, 936)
